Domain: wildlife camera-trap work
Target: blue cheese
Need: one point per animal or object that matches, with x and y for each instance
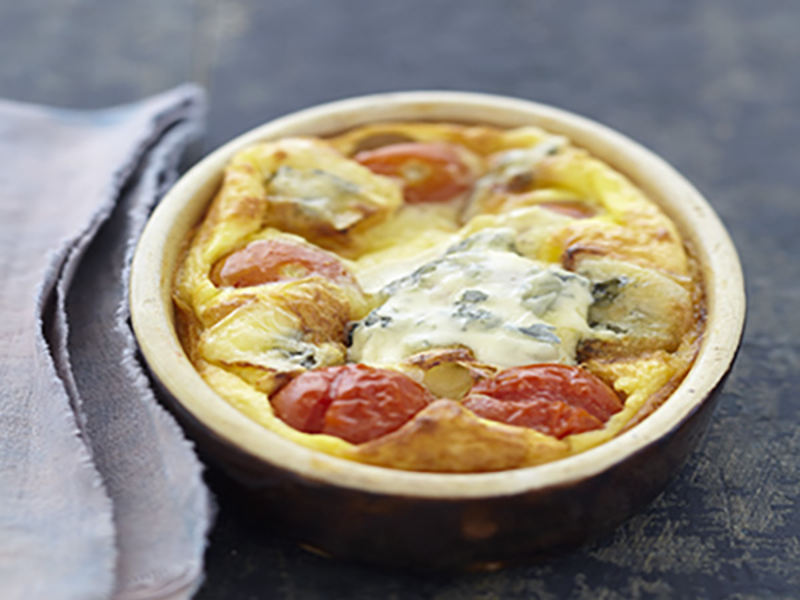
(513, 170)
(507, 309)
(323, 196)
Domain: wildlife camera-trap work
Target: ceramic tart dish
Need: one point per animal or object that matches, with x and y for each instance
(439, 329)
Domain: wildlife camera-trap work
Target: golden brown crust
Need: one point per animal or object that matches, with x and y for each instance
(446, 437)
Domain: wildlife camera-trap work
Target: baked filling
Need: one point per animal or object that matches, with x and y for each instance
(437, 297)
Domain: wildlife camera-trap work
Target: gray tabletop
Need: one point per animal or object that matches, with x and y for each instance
(710, 85)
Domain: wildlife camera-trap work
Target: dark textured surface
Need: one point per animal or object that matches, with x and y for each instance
(711, 85)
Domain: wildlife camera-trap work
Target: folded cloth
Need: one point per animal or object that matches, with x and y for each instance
(101, 496)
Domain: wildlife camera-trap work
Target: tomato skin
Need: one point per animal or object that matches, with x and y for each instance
(430, 171)
(270, 261)
(557, 400)
(354, 402)
(303, 406)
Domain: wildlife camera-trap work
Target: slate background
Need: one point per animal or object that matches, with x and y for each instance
(711, 85)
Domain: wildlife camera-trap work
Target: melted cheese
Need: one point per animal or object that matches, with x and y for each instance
(507, 309)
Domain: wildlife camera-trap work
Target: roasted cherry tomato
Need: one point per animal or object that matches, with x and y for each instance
(269, 261)
(557, 400)
(431, 172)
(353, 402)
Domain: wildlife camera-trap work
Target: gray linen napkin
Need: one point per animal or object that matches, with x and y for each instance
(100, 494)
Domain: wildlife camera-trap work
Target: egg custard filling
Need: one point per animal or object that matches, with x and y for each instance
(437, 297)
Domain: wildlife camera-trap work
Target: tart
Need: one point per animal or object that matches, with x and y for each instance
(437, 296)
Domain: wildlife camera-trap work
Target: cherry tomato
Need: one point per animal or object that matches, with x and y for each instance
(269, 261)
(557, 400)
(431, 171)
(353, 402)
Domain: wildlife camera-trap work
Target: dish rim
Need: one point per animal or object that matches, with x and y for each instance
(156, 255)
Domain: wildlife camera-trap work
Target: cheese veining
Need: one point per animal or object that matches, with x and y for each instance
(506, 309)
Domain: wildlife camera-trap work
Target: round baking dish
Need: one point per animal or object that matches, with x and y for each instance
(356, 511)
